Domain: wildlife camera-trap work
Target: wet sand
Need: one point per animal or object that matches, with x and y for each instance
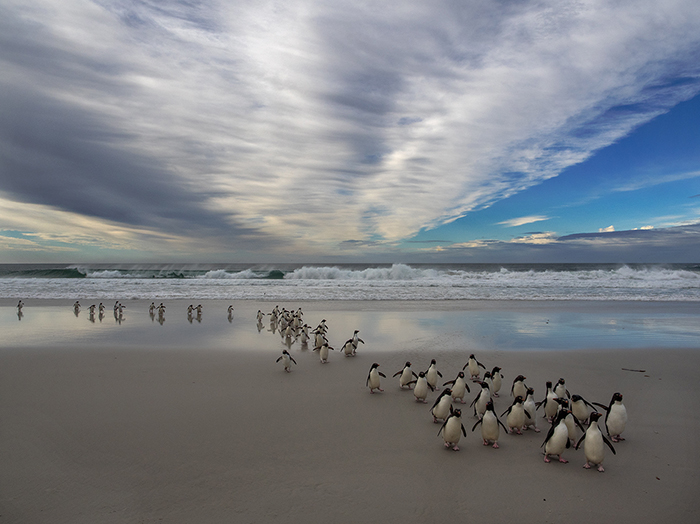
(199, 424)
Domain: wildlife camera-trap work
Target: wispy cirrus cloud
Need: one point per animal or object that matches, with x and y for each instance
(521, 221)
(311, 127)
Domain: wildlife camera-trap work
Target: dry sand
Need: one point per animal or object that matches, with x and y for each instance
(137, 434)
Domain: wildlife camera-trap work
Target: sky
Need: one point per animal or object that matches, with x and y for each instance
(413, 131)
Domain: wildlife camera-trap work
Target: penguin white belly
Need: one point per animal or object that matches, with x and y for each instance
(489, 427)
(374, 379)
(323, 353)
(431, 376)
(473, 368)
(617, 419)
(593, 446)
(570, 426)
(480, 406)
(421, 389)
(580, 410)
(451, 433)
(442, 410)
(551, 407)
(459, 389)
(405, 377)
(516, 418)
(557, 443)
(519, 390)
(496, 382)
(348, 349)
(530, 407)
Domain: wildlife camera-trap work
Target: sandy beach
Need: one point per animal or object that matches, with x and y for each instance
(185, 423)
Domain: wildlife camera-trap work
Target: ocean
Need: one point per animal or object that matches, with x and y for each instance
(290, 282)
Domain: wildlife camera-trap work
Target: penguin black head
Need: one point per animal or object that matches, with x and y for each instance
(433, 361)
(563, 402)
(549, 385)
(487, 375)
(407, 365)
(530, 391)
(489, 405)
(518, 400)
(457, 413)
(563, 413)
(595, 416)
(484, 385)
(519, 378)
(617, 397)
(471, 356)
(421, 374)
(576, 398)
(460, 374)
(495, 370)
(560, 381)
(375, 365)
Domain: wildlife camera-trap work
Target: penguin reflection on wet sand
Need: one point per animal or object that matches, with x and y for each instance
(593, 446)
(489, 426)
(452, 428)
(287, 360)
(373, 380)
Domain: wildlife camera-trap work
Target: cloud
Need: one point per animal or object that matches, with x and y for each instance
(606, 229)
(289, 129)
(514, 222)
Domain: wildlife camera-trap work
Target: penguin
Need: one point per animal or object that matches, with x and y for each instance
(549, 404)
(260, 316)
(20, 305)
(615, 417)
(443, 405)
(593, 447)
(406, 375)
(579, 408)
(432, 374)
(496, 380)
(530, 408)
(481, 400)
(76, 306)
(323, 352)
(420, 390)
(101, 307)
(230, 313)
(459, 387)
(517, 416)
(560, 389)
(348, 349)
(557, 439)
(473, 364)
(287, 359)
(355, 341)
(451, 429)
(489, 426)
(319, 339)
(487, 379)
(570, 421)
(518, 389)
(373, 378)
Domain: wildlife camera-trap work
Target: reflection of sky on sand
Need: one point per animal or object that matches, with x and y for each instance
(382, 330)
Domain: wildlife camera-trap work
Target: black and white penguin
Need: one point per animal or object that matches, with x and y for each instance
(593, 446)
(570, 421)
(489, 426)
(432, 374)
(496, 380)
(615, 417)
(453, 429)
(405, 375)
(473, 364)
(549, 404)
(443, 406)
(287, 360)
(481, 400)
(560, 389)
(531, 409)
(323, 352)
(373, 378)
(516, 416)
(420, 390)
(519, 389)
(579, 408)
(459, 387)
(557, 439)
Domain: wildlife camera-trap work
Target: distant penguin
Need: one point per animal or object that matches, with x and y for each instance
(420, 390)
(405, 376)
(579, 408)
(260, 316)
(531, 409)
(560, 389)
(615, 417)
(230, 313)
(516, 416)
(443, 405)
(489, 426)
(549, 403)
(355, 340)
(453, 429)
(348, 349)
(593, 446)
(432, 375)
(557, 439)
(473, 364)
(373, 378)
(323, 352)
(481, 400)
(20, 305)
(76, 306)
(496, 380)
(287, 360)
(459, 387)
(319, 339)
(518, 389)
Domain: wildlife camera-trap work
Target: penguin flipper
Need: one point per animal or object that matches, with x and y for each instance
(443, 425)
(527, 414)
(439, 374)
(477, 423)
(508, 410)
(414, 374)
(549, 435)
(292, 359)
(609, 445)
(411, 382)
(480, 364)
(280, 358)
(606, 408)
(397, 373)
(581, 440)
(382, 374)
(501, 423)
(452, 382)
(578, 423)
(464, 431)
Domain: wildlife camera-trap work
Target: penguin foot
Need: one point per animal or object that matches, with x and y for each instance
(495, 445)
(600, 468)
(447, 444)
(587, 465)
(455, 448)
(546, 459)
(617, 438)
(486, 442)
(563, 460)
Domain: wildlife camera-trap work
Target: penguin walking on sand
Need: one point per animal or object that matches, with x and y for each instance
(453, 429)
(373, 378)
(287, 360)
(518, 389)
(516, 416)
(549, 403)
(496, 380)
(405, 375)
(489, 426)
(570, 421)
(593, 446)
(557, 439)
(579, 408)
(615, 417)
(531, 409)
(76, 307)
(560, 389)
(323, 352)
(480, 401)
(473, 364)
(459, 387)
(355, 340)
(20, 305)
(420, 390)
(432, 374)
(230, 313)
(443, 406)
(348, 349)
